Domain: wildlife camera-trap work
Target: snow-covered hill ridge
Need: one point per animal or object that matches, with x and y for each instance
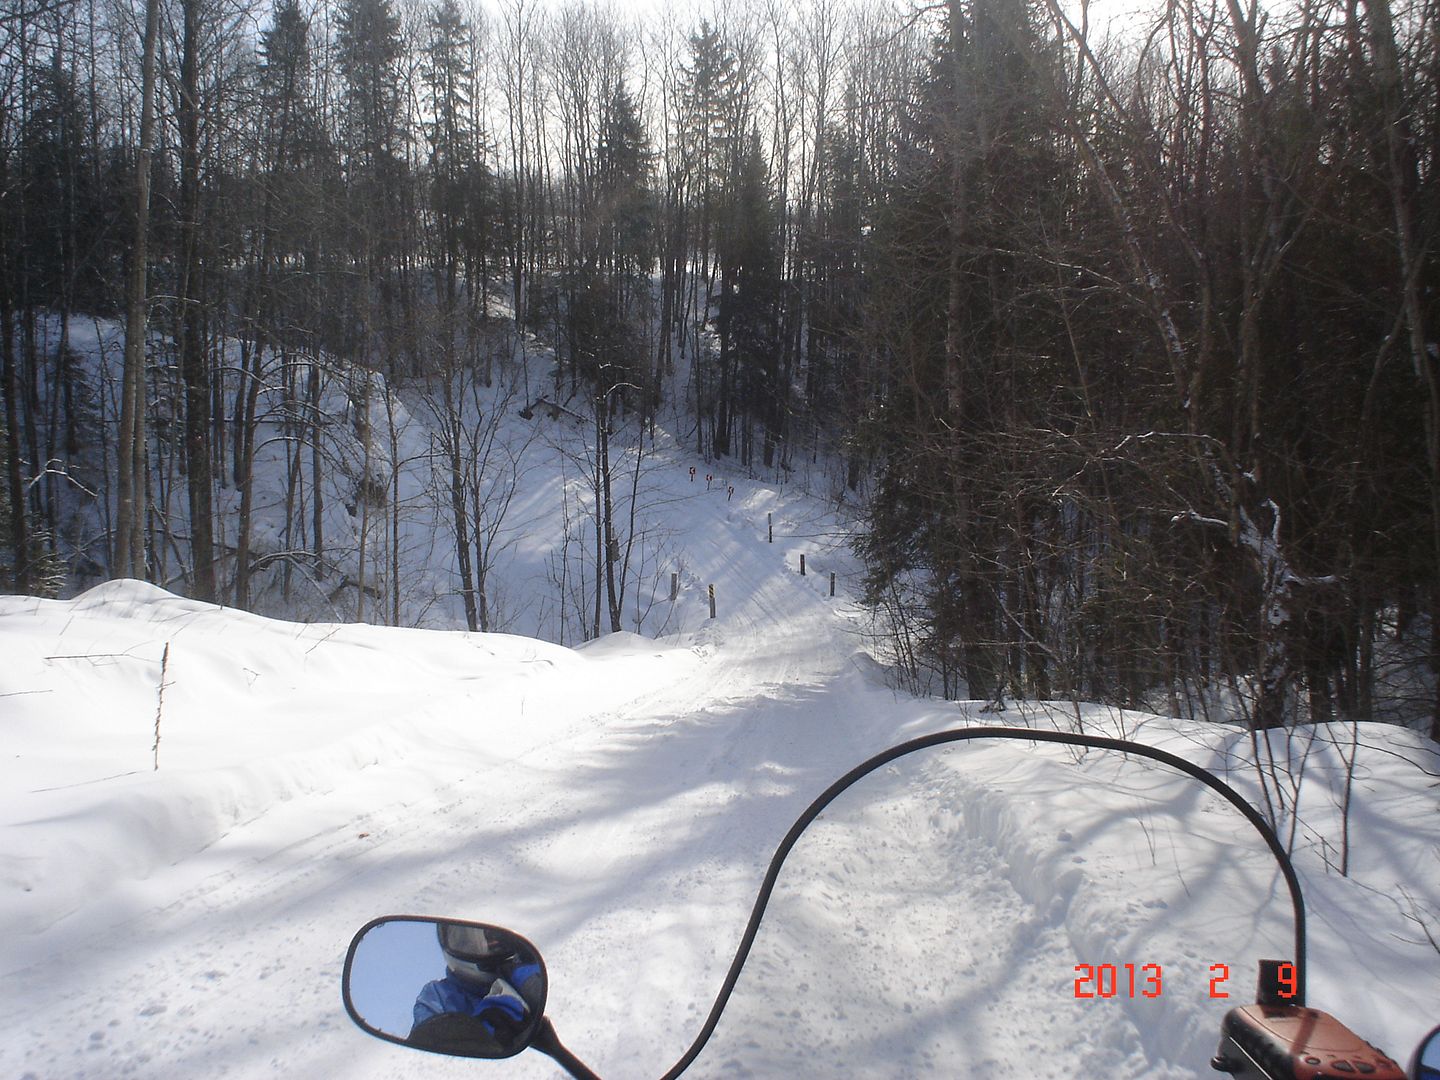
(253, 712)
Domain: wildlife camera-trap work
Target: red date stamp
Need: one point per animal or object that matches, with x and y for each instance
(1148, 980)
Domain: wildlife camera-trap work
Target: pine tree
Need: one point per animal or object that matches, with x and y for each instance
(713, 128)
(625, 166)
(952, 288)
(369, 51)
(748, 312)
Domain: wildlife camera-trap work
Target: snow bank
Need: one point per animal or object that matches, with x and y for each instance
(250, 712)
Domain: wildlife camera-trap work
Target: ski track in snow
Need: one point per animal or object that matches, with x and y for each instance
(620, 814)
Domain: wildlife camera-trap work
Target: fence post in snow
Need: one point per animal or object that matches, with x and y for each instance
(802, 565)
(712, 601)
(832, 582)
(769, 528)
(674, 586)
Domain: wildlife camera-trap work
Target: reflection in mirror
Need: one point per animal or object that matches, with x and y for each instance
(460, 988)
(1427, 1058)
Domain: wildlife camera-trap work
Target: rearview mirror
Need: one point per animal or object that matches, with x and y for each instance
(1427, 1058)
(452, 987)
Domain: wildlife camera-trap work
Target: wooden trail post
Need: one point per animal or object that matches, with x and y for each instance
(769, 528)
(802, 565)
(674, 586)
(712, 601)
(832, 582)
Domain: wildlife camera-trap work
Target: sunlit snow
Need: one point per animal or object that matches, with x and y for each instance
(183, 910)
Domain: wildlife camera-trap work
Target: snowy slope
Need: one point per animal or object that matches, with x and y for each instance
(617, 803)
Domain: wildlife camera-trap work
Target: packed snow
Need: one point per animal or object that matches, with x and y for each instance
(199, 807)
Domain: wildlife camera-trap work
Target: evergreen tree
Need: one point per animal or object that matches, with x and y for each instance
(966, 342)
(625, 166)
(369, 52)
(715, 119)
(748, 312)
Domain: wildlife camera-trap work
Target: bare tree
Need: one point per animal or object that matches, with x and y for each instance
(129, 556)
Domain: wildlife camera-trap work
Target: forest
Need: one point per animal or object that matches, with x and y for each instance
(1117, 329)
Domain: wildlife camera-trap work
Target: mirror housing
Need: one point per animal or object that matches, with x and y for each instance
(449, 986)
(1426, 1064)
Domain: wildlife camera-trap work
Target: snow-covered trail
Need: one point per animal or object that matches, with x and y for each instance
(571, 828)
(616, 805)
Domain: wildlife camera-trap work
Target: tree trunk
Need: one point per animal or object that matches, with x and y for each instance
(19, 517)
(193, 363)
(129, 554)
